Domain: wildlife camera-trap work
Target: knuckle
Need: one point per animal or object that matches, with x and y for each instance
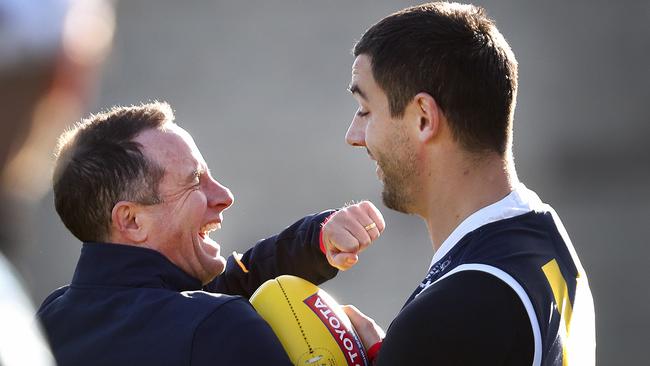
(335, 218)
(354, 209)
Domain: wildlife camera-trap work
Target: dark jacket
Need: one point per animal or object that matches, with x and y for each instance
(131, 306)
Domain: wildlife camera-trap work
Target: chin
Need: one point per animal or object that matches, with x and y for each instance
(209, 246)
(214, 269)
(396, 200)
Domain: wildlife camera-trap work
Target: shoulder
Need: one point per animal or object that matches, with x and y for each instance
(228, 306)
(534, 224)
(51, 298)
(467, 311)
(529, 238)
(206, 298)
(196, 306)
(220, 314)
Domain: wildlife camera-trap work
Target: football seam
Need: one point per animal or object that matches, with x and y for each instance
(295, 316)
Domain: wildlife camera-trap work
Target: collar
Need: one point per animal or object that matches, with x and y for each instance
(118, 265)
(520, 201)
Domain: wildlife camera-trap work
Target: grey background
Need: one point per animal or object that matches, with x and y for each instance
(262, 87)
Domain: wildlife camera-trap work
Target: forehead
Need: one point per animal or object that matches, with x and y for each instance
(362, 68)
(363, 84)
(171, 147)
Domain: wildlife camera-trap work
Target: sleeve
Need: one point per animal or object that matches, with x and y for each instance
(236, 335)
(295, 251)
(469, 318)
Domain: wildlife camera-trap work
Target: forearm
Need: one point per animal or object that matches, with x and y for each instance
(295, 250)
(236, 335)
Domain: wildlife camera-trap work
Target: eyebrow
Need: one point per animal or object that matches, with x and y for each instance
(354, 89)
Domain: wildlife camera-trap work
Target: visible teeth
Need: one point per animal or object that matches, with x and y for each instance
(207, 228)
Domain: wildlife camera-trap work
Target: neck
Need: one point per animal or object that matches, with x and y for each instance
(464, 187)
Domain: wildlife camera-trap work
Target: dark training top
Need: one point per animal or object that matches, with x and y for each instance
(506, 288)
(128, 305)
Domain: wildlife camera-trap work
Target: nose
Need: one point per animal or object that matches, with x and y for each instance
(219, 196)
(356, 135)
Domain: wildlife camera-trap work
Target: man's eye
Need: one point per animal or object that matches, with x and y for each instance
(362, 113)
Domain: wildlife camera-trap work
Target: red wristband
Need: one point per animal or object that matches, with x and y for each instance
(321, 244)
(373, 351)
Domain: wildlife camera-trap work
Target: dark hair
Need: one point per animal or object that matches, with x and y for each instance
(98, 164)
(456, 54)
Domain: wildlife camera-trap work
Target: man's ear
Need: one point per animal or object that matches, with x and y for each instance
(429, 114)
(127, 222)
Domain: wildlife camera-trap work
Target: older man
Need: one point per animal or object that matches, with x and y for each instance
(150, 285)
(436, 86)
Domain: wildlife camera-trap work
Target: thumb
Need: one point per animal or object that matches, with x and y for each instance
(356, 317)
(366, 328)
(343, 260)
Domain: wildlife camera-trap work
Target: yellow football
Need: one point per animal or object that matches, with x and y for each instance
(310, 324)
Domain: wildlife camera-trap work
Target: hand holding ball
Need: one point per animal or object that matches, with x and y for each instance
(310, 324)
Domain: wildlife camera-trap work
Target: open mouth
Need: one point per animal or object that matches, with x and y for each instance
(206, 229)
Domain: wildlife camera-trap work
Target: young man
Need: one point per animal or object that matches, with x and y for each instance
(150, 285)
(436, 86)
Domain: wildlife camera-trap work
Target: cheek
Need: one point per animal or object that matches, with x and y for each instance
(185, 217)
(371, 133)
(195, 203)
(379, 136)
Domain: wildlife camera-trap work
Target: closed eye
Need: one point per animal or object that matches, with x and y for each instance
(195, 178)
(362, 113)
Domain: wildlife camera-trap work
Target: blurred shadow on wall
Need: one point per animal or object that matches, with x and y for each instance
(50, 53)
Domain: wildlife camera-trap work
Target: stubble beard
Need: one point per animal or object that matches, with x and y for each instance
(400, 175)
